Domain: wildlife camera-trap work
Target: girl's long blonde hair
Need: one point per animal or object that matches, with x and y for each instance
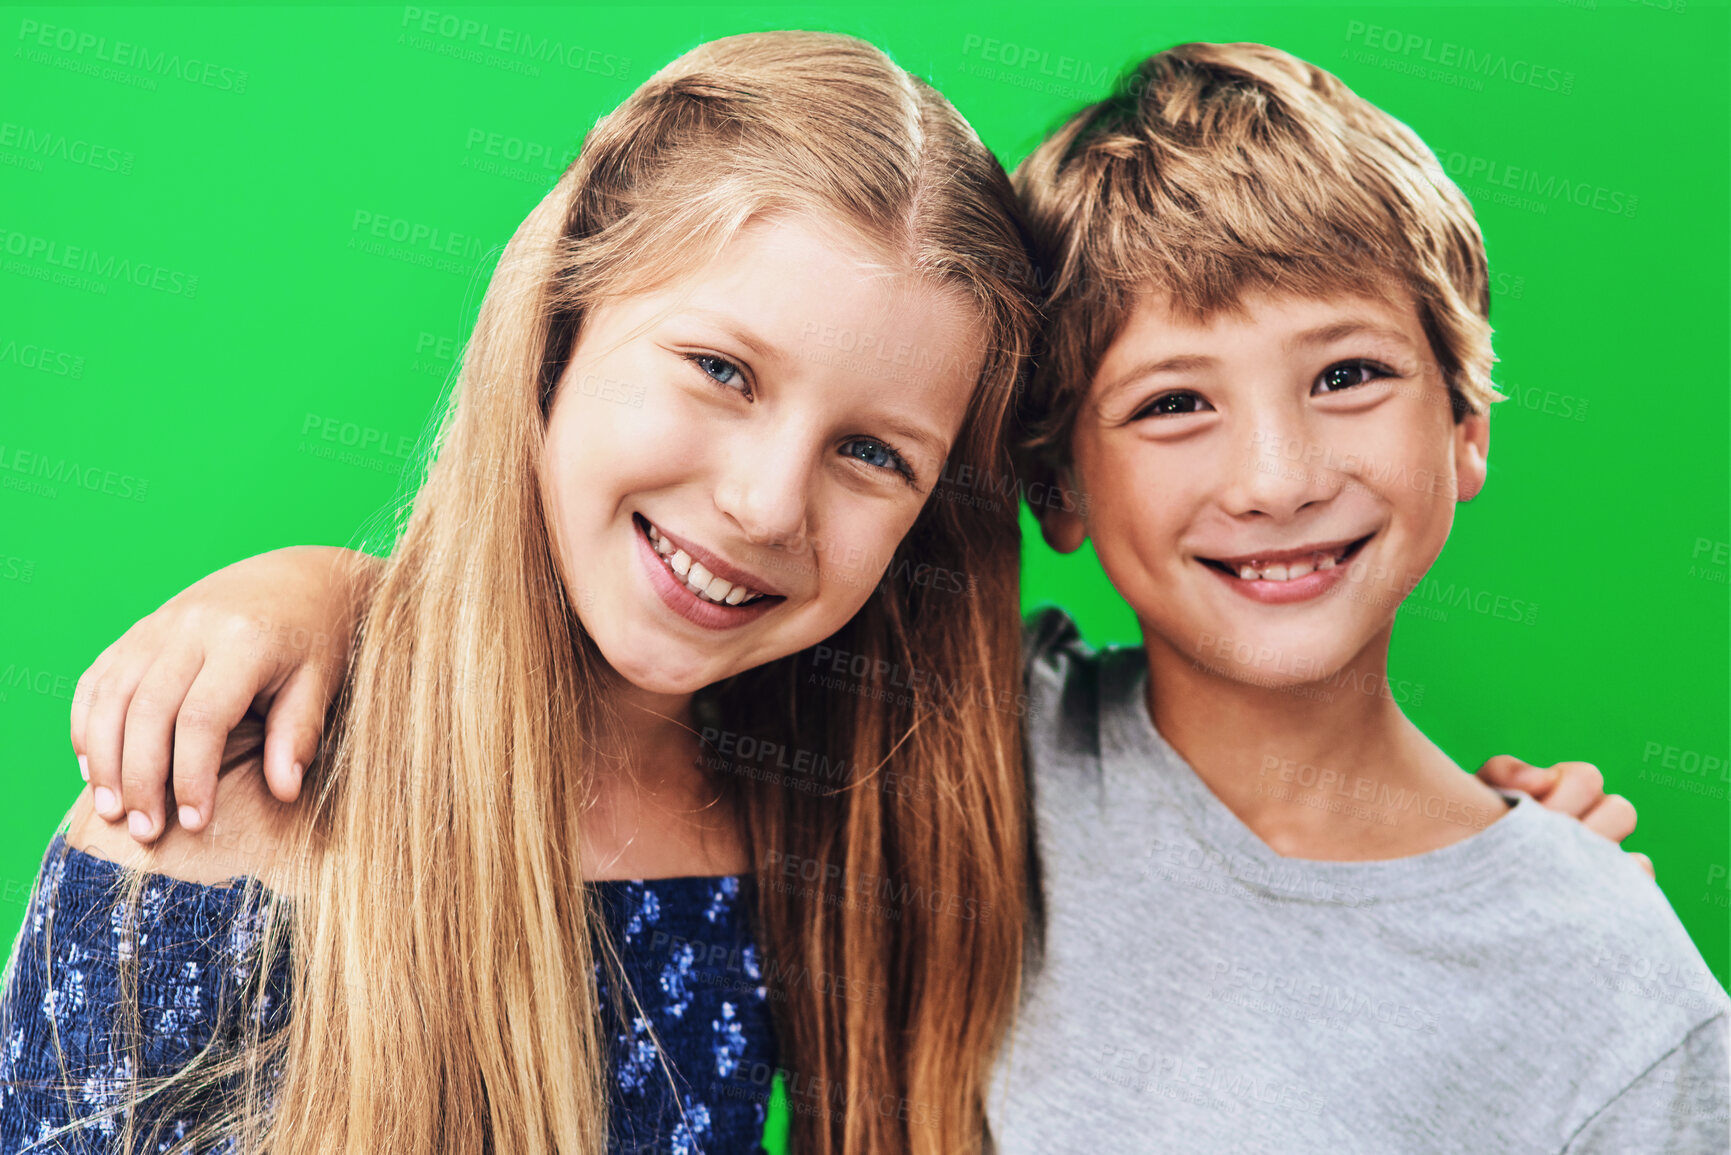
(442, 954)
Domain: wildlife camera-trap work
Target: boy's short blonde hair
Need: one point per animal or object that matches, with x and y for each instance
(1221, 169)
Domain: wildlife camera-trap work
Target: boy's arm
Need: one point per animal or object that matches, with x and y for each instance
(269, 635)
(1677, 1105)
(1573, 788)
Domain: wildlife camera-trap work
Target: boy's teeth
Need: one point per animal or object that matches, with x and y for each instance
(1286, 571)
(696, 577)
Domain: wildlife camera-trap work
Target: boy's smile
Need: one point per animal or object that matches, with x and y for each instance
(1265, 486)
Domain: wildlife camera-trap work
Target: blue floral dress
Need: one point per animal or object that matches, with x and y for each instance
(696, 1003)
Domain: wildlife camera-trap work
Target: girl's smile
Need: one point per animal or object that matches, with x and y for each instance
(698, 585)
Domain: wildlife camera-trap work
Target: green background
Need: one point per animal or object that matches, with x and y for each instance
(184, 427)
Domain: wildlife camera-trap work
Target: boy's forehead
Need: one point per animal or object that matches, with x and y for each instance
(1160, 333)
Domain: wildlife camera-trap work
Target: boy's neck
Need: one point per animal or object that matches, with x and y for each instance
(1327, 770)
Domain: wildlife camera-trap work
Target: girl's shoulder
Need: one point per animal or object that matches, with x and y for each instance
(195, 953)
(250, 835)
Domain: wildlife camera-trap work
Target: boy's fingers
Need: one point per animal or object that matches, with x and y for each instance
(1510, 773)
(1614, 818)
(82, 695)
(293, 729)
(215, 704)
(1580, 787)
(148, 739)
(104, 735)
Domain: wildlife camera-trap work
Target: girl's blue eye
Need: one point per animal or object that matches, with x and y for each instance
(720, 370)
(874, 452)
(1348, 374)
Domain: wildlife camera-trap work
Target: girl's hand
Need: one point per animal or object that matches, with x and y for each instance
(268, 636)
(1573, 788)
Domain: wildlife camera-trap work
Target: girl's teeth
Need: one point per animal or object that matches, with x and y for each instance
(698, 579)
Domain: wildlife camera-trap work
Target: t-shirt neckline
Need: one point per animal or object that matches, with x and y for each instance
(1129, 741)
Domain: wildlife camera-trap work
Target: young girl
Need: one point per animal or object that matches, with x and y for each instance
(655, 499)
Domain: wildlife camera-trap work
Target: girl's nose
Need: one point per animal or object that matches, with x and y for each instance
(765, 487)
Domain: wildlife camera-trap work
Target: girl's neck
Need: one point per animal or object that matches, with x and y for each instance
(660, 814)
(1324, 770)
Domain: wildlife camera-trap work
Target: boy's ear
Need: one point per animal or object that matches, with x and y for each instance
(1061, 522)
(1472, 452)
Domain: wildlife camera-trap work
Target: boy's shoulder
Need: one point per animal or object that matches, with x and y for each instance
(1628, 945)
(1062, 675)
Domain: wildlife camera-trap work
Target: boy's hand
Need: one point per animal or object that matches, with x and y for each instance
(268, 636)
(1573, 788)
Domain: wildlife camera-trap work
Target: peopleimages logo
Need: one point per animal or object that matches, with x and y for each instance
(512, 44)
(125, 54)
(1486, 65)
(1541, 186)
(82, 259)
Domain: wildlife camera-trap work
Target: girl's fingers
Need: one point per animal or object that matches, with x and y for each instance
(1614, 818)
(1510, 773)
(1580, 787)
(147, 741)
(294, 726)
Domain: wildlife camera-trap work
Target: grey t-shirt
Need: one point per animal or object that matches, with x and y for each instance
(1527, 989)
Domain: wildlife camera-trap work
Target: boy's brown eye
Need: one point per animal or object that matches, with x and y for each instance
(1347, 374)
(1170, 404)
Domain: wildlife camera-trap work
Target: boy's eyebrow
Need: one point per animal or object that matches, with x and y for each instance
(1338, 330)
(1180, 363)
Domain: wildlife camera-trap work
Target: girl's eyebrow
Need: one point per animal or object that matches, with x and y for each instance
(730, 326)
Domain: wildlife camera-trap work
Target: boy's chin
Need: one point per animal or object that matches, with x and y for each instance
(1305, 666)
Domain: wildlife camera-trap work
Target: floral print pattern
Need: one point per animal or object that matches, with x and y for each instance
(686, 1017)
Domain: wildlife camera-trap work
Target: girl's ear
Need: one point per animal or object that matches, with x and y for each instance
(1061, 522)
(1472, 453)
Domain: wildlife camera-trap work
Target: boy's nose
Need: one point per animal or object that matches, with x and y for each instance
(1281, 470)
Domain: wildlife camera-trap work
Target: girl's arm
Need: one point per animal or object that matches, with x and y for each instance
(269, 637)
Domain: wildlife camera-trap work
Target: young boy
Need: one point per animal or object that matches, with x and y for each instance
(1278, 917)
